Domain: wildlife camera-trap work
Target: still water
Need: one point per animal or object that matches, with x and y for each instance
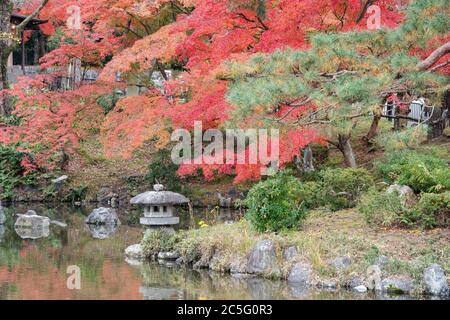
(37, 269)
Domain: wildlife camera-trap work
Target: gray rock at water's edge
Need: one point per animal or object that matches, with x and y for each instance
(135, 252)
(103, 216)
(238, 267)
(405, 193)
(436, 281)
(168, 255)
(373, 278)
(342, 262)
(355, 281)
(397, 285)
(360, 289)
(262, 258)
(290, 253)
(381, 261)
(300, 274)
(31, 220)
(102, 231)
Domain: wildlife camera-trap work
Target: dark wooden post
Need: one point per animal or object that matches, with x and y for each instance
(22, 35)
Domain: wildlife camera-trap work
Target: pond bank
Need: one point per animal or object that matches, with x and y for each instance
(331, 251)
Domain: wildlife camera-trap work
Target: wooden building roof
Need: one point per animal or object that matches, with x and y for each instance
(32, 25)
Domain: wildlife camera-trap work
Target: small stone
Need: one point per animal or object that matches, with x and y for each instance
(262, 258)
(360, 289)
(168, 255)
(397, 285)
(60, 179)
(290, 253)
(342, 262)
(436, 281)
(300, 274)
(135, 252)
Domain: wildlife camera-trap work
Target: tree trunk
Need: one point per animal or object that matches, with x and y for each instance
(6, 49)
(373, 129)
(345, 147)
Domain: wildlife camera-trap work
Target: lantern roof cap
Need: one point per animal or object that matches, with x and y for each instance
(159, 197)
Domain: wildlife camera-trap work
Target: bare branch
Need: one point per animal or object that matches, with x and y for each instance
(27, 20)
(434, 56)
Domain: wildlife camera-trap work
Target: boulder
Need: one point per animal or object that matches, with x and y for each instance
(405, 193)
(290, 253)
(400, 285)
(31, 220)
(373, 278)
(381, 261)
(262, 258)
(436, 281)
(103, 216)
(168, 255)
(134, 252)
(300, 274)
(342, 262)
(238, 267)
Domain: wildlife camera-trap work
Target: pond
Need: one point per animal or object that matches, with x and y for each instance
(38, 268)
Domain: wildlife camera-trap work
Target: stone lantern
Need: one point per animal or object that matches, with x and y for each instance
(159, 206)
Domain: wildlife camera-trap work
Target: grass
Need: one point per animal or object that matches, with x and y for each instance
(323, 237)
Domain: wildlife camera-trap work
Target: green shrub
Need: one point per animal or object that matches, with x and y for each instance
(383, 209)
(311, 193)
(163, 170)
(158, 240)
(11, 170)
(275, 204)
(423, 172)
(343, 187)
(108, 101)
(386, 209)
(433, 210)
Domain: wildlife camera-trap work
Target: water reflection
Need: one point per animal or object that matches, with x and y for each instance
(102, 231)
(36, 269)
(33, 233)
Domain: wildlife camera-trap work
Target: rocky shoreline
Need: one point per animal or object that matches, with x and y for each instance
(262, 261)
